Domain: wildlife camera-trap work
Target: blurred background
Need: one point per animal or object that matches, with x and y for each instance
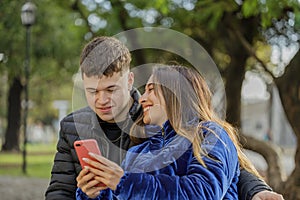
(254, 43)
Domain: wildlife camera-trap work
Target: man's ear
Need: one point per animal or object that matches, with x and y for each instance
(130, 80)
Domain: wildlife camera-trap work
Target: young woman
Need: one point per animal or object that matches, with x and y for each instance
(194, 155)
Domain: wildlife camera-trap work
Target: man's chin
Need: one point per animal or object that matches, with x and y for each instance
(112, 117)
(106, 117)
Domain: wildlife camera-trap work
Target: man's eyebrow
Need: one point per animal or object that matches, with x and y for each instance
(112, 86)
(108, 87)
(90, 88)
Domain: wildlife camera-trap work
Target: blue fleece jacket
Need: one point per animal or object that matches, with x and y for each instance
(164, 167)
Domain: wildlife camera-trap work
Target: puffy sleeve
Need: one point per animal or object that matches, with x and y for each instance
(249, 185)
(63, 174)
(198, 182)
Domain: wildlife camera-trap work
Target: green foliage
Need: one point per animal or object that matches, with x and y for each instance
(62, 28)
(162, 5)
(58, 54)
(55, 46)
(250, 8)
(297, 19)
(11, 34)
(211, 12)
(268, 10)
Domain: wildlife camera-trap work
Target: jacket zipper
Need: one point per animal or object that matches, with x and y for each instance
(163, 135)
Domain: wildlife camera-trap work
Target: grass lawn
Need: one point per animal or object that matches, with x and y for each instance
(39, 161)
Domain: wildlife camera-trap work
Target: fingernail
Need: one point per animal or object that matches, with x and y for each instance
(91, 154)
(85, 159)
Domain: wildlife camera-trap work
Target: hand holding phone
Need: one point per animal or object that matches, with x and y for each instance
(83, 147)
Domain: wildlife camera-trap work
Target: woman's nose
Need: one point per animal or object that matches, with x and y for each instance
(143, 98)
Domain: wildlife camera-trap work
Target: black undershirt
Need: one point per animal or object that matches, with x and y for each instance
(113, 131)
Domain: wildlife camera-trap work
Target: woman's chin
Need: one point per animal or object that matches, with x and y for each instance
(149, 122)
(146, 121)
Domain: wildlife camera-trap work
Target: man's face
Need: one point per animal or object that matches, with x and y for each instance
(109, 97)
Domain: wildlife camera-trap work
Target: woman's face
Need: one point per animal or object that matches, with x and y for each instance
(154, 106)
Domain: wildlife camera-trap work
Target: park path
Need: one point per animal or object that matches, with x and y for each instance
(22, 188)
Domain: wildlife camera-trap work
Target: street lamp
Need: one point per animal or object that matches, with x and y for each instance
(28, 19)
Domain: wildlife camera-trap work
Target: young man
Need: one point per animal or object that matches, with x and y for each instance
(112, 108)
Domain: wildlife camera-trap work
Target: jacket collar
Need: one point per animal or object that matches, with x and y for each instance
(168, 130)
(136, 108)
(155, 130)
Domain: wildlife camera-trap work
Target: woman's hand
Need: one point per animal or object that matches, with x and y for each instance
(104, 171)
(87, 183)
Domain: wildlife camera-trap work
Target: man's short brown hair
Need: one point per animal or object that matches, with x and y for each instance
(104, 56)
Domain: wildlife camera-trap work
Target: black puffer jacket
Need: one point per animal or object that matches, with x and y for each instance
(84, 124)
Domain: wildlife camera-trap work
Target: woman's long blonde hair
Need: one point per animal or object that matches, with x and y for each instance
(187, 99)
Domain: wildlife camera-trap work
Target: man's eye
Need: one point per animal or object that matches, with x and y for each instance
(111, 90)
(92, 92)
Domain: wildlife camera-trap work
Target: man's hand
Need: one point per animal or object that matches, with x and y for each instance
(267, 195)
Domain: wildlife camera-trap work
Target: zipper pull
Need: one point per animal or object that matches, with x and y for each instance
(163, 131)
(163, 135)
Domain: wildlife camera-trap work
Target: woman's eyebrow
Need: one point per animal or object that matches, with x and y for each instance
(149, 85)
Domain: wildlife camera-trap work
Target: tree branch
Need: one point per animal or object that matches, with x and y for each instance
(251, 51)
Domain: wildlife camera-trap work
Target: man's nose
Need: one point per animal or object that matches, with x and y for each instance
(102, 97)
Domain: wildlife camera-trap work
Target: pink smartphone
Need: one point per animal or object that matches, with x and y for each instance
(83, 147)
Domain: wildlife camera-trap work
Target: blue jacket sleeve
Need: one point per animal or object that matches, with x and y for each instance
(104, 195)
(198, 183)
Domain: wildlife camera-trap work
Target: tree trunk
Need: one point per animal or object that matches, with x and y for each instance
(11, 142)
(289, 91)
(234, 79)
